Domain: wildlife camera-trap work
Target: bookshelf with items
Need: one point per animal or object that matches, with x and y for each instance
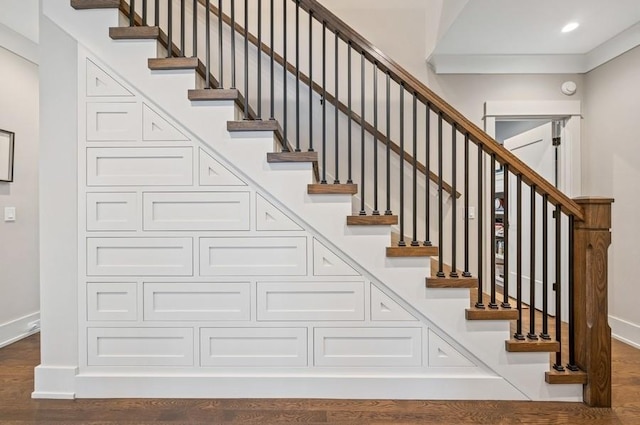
(499, 227)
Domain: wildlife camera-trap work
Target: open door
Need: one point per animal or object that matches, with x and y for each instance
(536, 148)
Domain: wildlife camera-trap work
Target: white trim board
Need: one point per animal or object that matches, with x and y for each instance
(18, 44)
(624, 331)
(18, 329)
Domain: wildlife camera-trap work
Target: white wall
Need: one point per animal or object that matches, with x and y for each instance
(19, 282)
(19, 27)
(610, 159)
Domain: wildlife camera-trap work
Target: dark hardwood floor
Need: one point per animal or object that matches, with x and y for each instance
(16, 406)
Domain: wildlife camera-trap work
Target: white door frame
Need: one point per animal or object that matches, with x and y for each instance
(569, 152)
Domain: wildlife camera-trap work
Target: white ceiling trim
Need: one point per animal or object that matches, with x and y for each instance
(18, 44)
(537, 64)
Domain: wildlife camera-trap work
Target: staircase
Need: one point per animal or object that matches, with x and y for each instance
(368, 134)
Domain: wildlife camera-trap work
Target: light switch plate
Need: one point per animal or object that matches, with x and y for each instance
(9, 213)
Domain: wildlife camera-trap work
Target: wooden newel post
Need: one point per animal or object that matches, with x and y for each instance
(592, 238)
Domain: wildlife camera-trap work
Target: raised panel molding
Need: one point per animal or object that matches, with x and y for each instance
(253, 256)
(100, 84)
(112, 211)
(442, 354)
(139, 166)
(197, 211)
(113, 122)
(157, 128)
(268, 217)
(112, 301)
(253, 347)
(384, 308)
(212, 173)
(139, 256)
(305, 301)
(373, 347)
(197, 301)
(140, 347)
(326, 263)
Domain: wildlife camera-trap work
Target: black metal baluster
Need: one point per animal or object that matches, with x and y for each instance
(466, 272)
(518, 334)
(375, 211)
(207, 20)
(169, 29)
(401, 242)
(349, 114)
(427, 173)
(144, 13)
(220, 48)
(454, 205)
(362, 147)
(440, 272)
(246, 59)
(182, 26)
(479, 302)
(233, 44)
(558, 363)
(532, 278)
(310, 82)
(285, 98)
(337, 127)
(271, 61)
(388, 144)
(505, 249)
(297, 76)
(259, 63)
(324, 103)
(132, 13)
(195, 27)
(156, 13)
(414, 176)
(494, 239)
(545, 269)
(572, 330)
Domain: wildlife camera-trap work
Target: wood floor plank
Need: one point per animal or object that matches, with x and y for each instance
(16, 406)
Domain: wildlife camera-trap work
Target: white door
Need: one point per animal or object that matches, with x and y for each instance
(535, 148)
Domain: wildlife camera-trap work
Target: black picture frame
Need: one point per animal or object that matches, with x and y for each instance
(7, 147)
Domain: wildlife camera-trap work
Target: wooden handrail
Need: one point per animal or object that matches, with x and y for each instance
(369, 128)
(437, 104)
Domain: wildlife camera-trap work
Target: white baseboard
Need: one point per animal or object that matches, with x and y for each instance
(17, 329)
(625, 331)
(55, 382)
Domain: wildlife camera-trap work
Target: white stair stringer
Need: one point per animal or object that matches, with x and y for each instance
(523, 373)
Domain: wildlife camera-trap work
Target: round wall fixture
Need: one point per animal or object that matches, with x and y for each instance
(569, 88)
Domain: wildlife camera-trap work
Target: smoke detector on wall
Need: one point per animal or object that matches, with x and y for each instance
(569, 88)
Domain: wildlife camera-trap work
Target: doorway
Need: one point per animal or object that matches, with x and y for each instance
(546, 136)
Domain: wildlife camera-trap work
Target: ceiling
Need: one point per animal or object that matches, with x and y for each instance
(497, 36)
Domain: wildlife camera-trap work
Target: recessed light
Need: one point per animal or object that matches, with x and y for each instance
(570, 27)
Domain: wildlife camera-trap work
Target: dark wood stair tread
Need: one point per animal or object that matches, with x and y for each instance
(134, 33)
(332, 189)
(566, 377)
(372, 220)
(412, 251)
(213, 94)
(275, 157)
(95, 4)
(451, 282)
(532, 346)
(500, 313)
(253, 125)
(161, 64)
